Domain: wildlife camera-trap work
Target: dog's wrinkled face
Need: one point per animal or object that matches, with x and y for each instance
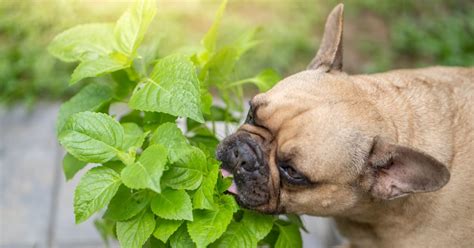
(300, 149)
(312, 145)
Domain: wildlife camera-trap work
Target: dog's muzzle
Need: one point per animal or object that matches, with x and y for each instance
(243, 157)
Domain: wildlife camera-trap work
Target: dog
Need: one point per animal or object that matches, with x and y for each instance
(390, 156)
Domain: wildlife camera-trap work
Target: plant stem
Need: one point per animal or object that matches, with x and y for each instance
(239, 82)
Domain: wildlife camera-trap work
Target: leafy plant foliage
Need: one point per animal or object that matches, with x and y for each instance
(157, 185)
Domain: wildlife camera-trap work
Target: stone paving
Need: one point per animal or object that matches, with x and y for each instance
(36, 201)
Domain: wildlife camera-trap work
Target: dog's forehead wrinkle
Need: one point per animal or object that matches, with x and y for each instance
(311, 76)
(310, 81)
(289, 102)
(288, 151)
(258, 100)
(361, 148)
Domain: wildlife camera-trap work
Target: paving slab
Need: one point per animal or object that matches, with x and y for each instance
(322, 232)
(65, 229)
(35, 202)
(28, 158)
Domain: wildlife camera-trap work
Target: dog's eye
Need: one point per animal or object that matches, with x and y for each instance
(290, 175)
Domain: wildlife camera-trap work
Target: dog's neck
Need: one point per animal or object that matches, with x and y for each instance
(377, 224)
(385, 223)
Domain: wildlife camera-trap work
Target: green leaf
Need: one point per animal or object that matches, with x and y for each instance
(115, 165)
(172, 88)
(221, 66)
(271, 238)
(246, 41)
(290, 236)
(151, 120)
(83, 42)
(170, 136)
(210, 38)
(99, 66)
(209, 225)
(206, 101)
(236, 235)
(134, 232)
(266, 79)
(71, 166)
(223, 183)
(123, 85)
(186, 173)
(133, 24)
(133, 136)
(181, 239)
(221, 114)
(259, 224)
(173, 205)
(192, 125)
(147, 172)
(296, 219)
(93, 97)
(154, 243)
(204, 196)
(134, 116)
(206, 143)
(165, 228)
(94, 191)
(127, 203)
(92, 137)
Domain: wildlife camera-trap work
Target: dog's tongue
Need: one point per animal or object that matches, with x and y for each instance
(225, 173)
(233, 186)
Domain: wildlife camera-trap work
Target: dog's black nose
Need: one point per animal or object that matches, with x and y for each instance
(235, 154)
(243, 156)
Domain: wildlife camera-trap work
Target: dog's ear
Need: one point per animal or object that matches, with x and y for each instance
(329, 56)
(399, 170)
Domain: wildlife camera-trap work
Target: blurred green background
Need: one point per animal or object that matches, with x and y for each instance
(378, 35)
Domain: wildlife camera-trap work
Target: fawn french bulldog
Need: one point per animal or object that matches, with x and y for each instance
(390, 155)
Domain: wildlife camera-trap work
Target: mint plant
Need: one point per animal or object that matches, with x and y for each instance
(156, 184)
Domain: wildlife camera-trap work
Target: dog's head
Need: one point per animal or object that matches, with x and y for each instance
(312, 145)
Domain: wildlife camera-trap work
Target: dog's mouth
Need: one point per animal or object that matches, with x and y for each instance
(233, 187)
(250, 195)
(244, 161)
